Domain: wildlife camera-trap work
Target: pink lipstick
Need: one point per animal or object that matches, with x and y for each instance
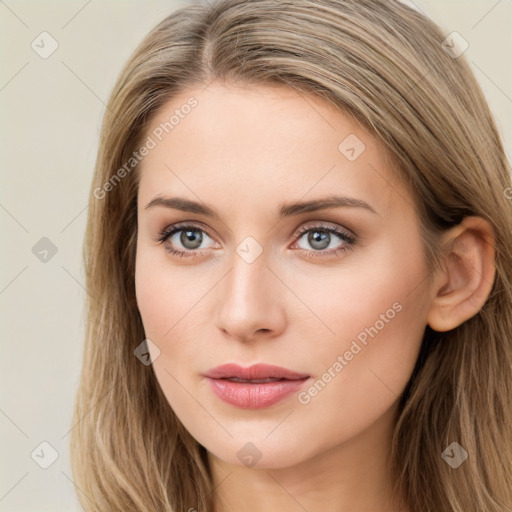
(257, 386)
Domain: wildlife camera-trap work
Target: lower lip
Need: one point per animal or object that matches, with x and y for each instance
(254, 396)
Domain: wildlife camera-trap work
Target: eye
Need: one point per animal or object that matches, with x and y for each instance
(321, 237)
(188, 236)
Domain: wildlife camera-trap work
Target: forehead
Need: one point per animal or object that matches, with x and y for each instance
(257, 145)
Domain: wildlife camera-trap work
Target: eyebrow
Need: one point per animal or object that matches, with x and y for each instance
(285, 209)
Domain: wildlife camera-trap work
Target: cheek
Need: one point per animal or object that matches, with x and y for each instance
(152, 299)
(358, 378)
(162, 294)
(163, 309)
(348, 299)
(378, 317)
(171, 302)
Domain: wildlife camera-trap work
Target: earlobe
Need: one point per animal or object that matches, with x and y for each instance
(464, 285)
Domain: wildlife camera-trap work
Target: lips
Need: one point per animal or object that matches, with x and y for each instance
(255, 387)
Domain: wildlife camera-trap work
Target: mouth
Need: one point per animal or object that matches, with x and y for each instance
(254, 373)
(254, 387)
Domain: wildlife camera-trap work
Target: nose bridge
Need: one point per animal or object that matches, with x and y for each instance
(248, 279)
(250, 295)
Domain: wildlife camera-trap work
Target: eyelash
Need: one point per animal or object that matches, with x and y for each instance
(349, 240)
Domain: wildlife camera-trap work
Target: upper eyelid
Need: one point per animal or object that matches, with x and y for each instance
(298, 232)
(324, 225)
(179, 226)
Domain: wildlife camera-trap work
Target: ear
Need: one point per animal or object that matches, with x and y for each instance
(462, 288)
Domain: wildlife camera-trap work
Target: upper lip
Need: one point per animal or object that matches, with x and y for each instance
(256, 371)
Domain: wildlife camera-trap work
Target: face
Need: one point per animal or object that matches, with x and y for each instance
(338, 295)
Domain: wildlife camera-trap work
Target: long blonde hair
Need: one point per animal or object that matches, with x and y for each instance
(384, 64)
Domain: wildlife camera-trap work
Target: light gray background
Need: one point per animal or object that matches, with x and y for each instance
(51, 114)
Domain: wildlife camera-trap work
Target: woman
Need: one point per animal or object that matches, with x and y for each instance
(298, 258)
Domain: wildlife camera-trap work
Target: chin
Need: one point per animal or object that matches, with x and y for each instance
(260, 453)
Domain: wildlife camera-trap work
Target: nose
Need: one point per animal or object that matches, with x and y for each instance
(251, 303)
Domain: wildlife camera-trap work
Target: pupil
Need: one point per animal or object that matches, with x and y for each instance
(317, 239)
(188, 236)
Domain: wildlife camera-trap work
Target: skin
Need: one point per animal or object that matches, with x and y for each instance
(243, 151)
